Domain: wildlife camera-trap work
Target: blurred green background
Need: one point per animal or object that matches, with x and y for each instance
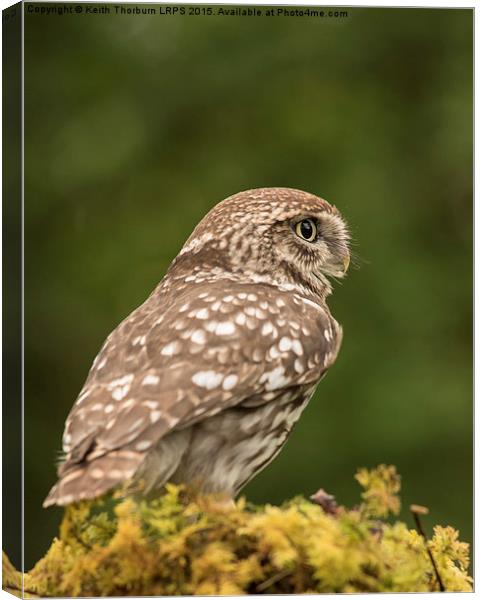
(137, 125)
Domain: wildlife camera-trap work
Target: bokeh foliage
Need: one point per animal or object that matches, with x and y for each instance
(136, 125)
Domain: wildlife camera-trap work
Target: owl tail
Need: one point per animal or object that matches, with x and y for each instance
(87, 480)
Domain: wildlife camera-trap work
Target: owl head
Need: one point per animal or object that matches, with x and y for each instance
(279, 235)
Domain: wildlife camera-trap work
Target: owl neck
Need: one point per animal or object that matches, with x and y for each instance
(213, 265)
(306, 283)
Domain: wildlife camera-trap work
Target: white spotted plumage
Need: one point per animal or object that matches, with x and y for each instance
(203, 383)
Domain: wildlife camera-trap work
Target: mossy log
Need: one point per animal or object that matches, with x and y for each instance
(182, 544)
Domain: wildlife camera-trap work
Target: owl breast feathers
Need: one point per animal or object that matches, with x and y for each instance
(204, 381)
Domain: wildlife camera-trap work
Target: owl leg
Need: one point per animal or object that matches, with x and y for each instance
(161, 462)
(221, 504)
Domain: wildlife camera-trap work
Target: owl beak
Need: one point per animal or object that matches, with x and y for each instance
(341, 267)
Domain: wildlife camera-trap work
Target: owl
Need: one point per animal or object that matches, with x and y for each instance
(203, 383)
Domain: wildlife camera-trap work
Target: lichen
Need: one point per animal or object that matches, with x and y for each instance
(183, 544)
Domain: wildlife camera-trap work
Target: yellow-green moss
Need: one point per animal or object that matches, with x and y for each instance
(11, 579)
(179, 544)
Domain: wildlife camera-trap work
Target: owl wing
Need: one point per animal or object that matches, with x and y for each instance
(212, 347)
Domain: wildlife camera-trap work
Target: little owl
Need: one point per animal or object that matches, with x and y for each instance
(203, 382)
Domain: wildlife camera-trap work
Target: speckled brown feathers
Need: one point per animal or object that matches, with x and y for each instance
(204, 381)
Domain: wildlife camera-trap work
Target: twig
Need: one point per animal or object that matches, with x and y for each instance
(271, 580)
(416, 511)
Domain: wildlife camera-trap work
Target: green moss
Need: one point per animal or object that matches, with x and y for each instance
(11, 579)
(186, 544)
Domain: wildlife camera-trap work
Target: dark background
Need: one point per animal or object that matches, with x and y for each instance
(137, 125)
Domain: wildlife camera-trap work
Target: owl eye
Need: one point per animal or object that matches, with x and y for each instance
(306, 229)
